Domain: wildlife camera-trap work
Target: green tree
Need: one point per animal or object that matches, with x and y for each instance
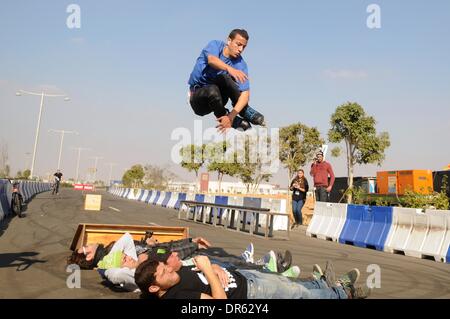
(298, 145)
(133, 177)
(157, 177)
(26, 173)
(252, 171)
(214, 154)
(19, 174)
(351, 124)
(193, 158)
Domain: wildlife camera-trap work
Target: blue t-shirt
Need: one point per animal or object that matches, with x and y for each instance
(203, 74)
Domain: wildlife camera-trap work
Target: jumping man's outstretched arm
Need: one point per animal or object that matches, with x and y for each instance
(218, 64)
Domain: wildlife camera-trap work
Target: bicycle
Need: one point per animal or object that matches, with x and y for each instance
(55, 186)
(16, 200)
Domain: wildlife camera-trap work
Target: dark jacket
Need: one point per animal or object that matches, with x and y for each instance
(297, 194)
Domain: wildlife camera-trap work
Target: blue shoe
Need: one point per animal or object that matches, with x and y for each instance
(253, 116)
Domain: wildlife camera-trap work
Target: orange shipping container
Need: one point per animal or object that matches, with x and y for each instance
(419, 181)
(387, 182)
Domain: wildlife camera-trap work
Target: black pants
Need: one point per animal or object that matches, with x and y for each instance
(321, 194)
(214, 97)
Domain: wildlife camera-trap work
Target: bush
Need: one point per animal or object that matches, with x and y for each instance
(434, 201)
(411, 199)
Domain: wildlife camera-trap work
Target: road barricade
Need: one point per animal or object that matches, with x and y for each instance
(351, 229)
(400, 232)
(438, 238)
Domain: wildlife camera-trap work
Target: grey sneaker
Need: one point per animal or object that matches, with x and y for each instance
(330, 275)
(358, 292)
(350, 278)
(283, 263)
(317, 272)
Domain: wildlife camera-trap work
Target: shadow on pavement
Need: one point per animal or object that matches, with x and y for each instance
(20, 260)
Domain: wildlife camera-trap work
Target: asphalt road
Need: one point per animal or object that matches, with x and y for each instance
(33, 251)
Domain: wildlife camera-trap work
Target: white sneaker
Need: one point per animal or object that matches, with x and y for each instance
(247, 255)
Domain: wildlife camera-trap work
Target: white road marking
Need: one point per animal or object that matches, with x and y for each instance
(117, 210)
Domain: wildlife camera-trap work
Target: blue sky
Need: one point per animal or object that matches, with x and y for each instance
(126, 70)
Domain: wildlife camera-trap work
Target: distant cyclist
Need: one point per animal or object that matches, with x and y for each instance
(58, 177)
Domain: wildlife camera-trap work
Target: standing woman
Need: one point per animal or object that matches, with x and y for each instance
(299, 188)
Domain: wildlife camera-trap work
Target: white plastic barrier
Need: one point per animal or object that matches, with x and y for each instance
(162, 195)
(418, 235)
(402, 226)
(144, 195)
(438, 238)
(331, 227)
(131, 194)
(125, 193)
(276, 206)
(152, 197)
(139, 194)
(190, 197)
(233, 201)
(446, 243)
(207, 210)
(321, 216)
(173, 200)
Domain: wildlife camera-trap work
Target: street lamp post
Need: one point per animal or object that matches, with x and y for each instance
(95, 167)
(110, 171)
(26, 159)
(42, 94)
(62, 140)
(78, 159)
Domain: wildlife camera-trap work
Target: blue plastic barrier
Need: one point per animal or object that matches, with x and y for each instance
(200, 198)
(155, 200)
(166, 199)
(4, 204)
(141, 195)
(354, 220)
(382, 223)
(220, 200)
(148, 197)
(181, 196)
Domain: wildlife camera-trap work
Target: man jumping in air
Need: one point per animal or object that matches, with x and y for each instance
(220, 73)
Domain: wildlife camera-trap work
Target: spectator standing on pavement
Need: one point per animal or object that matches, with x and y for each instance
(299, 188)
(320, 171)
